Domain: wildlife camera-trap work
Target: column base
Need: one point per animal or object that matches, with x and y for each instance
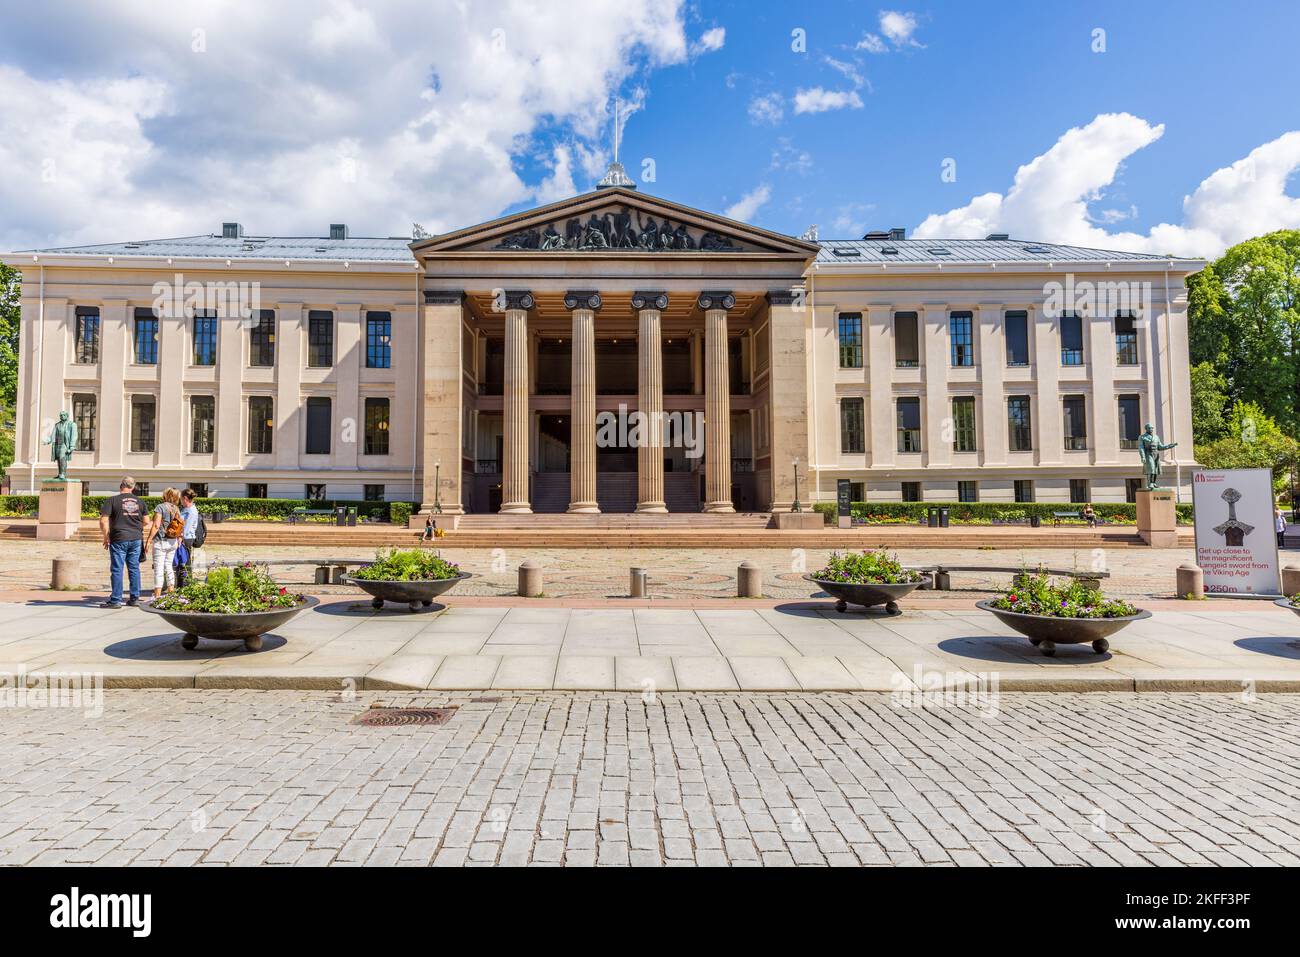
(446, 509)
(651, 507)
(516, 508)
(719, 507)
(583, 508)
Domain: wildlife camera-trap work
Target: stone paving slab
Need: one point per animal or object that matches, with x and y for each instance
(804, 646)
(258, 778)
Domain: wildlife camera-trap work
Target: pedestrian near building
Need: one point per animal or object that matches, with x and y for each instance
(164, 534)
(121, 523)
(184, 560)
(1279, 524)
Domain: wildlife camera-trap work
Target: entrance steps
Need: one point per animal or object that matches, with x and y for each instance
(615, 492)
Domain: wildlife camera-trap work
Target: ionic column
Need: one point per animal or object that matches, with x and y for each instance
(582, 413)
(514, 470)
(650, 401)
(717, 402)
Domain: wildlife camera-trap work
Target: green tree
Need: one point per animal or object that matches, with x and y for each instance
(1251, 439)
(1244, 319)
(10, 292)
(1209, 402)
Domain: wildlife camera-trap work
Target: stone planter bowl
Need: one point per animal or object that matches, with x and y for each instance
(1286, 603)
(247, 626)
(1046, 631)
(866, 595)
(414, 594)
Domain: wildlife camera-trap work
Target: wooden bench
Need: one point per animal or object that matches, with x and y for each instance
(300, 513)
(328, 570)
(1057, 517)
(943, 573)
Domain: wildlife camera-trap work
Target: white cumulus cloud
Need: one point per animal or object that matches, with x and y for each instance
(1049, 196)
(710, 40)
(745, 208)
(767, 109)
(899, 28)
(819, 100)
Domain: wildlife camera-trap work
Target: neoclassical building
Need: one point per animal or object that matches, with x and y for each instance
(612, 352)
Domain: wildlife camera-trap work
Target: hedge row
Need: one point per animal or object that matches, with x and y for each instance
(984, 513)
(235, 508)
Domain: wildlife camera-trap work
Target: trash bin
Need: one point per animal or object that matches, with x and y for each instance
(943, 516)
(352, 518)
(340, 515)
(932, 517)
(1035, 521)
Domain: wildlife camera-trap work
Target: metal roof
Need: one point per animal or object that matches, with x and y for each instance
(966, 251)
(357, 249)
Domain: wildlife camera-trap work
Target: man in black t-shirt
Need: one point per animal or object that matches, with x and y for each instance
(121, 520)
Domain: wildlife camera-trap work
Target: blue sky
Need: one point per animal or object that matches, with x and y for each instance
(131, 121)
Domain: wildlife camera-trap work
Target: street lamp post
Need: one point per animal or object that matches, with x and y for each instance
(437, 487)
(796, 507)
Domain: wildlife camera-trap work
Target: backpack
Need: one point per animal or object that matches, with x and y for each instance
(200, 530)
(175, 527)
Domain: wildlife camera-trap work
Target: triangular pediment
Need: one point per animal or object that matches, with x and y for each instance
(615, 221)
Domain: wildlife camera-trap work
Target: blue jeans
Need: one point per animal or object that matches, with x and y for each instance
(128, 554)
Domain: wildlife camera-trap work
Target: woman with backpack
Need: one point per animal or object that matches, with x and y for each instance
(164, 533)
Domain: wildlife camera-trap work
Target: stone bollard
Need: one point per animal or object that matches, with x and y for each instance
(637, 584)
(749, 580)
(1190, 582)
(66, 573)
(530, 579)
(1291, 580)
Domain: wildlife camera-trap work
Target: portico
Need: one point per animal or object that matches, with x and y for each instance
(621, 361)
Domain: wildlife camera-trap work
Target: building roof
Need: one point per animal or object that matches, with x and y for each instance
(967, 251)
(357, 249)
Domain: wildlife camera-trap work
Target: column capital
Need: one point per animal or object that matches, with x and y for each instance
(509, 299)
(582, 299)
(717, 299)
(643, 299)
(444, 297)
(785, 297)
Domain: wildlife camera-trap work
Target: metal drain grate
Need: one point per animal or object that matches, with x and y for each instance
(399, 717)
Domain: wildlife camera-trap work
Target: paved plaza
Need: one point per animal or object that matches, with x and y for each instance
(249, 777)
(797, 646)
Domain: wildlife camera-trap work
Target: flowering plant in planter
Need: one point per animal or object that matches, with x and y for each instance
(408, 565)
(1039, 594)
(866, 568)
(230, 591)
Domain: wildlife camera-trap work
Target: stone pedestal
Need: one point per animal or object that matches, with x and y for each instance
(1157, 521)
(802, 521)
(59, 517)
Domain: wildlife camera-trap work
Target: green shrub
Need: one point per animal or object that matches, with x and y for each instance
(399, 513)
(866, 568)
(407, 565)
(983, 513)
(229, 591)
(236, 509)
(1039, 594)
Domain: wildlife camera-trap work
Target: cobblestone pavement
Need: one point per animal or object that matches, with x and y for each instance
(674, 573)
(247, 777)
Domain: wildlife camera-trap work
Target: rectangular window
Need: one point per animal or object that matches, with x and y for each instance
(142, 489)
(86, 351)
(959, 334)
(1071, 340)
(261, 340)
(1130, 424)
(84, 412)
(261, 424)
(852, 438)
(1131, 487)
(911, 491)
(314, 493)
(1024, 490)
(379, 336)
(143, 419)
(909, 424)
(1017, 332)
(203, 424)
(907, 350)
(968, 491)
(255, 490)
(858, 491)
(1126, 341)
(200, 489)
(1076, 423)
(963, 423)
(374, 493)
(1020, 432)
(205, 338)
(376, 437)
(145, 338)
(850, 329)
(320, 339)
(1079, 490)
(318, 426)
